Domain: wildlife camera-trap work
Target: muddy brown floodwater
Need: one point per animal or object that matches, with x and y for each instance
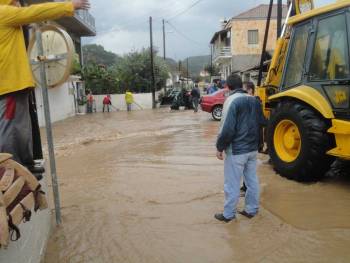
(144, 186)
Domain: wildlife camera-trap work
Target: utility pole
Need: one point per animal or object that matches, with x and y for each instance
(180, 72)
(211, 61)
(152, 65)
(50, 144)
(279, 18)
(164, 47)
(180, 68)
(265, 44)
(188, 72)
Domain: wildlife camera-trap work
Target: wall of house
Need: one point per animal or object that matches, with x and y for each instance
(62, 103)
(239, 36)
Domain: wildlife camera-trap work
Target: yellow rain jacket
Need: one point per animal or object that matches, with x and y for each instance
(15, 71)
(129, 98)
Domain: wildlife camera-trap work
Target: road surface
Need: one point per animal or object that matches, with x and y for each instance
(144, 187)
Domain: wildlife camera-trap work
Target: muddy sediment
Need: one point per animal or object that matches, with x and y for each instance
(144, 186)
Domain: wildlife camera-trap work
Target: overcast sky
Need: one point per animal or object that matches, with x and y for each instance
(123, 25)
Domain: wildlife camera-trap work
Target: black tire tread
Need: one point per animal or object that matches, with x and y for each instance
(313, 163)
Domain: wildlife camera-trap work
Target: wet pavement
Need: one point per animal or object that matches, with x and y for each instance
(144, 186)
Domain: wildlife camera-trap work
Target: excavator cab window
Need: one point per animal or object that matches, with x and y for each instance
(295, 66)
(330, 59)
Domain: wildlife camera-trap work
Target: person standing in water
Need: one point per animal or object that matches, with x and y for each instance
(196, 95)
(239, 137)
(107, 102)
(129, 99)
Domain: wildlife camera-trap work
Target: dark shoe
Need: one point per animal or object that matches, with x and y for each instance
(35, 169)
(244, 213)
(221, 217)
(38, 176)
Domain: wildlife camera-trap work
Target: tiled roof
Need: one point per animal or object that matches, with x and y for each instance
(260, 12)
(217, 34)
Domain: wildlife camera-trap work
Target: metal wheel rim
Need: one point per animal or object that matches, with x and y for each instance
(287, 141)
(217, 112)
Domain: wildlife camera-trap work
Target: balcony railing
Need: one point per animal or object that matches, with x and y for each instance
(86, 18)
(223, 52)
(82, 24)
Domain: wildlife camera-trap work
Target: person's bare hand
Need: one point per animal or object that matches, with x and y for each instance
(220, 155)
(81, 4)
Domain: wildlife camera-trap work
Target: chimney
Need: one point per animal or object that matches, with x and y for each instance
(223, 23)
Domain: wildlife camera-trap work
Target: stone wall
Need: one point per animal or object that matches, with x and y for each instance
(239, 36)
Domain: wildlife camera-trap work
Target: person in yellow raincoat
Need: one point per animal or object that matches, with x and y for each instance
(16, 80)
(129, 99)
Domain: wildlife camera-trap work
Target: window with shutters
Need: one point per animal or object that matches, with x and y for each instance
(253, 37)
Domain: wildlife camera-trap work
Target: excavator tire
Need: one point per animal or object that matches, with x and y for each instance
(298, 141)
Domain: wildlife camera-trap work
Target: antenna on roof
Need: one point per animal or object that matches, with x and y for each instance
(223, 22)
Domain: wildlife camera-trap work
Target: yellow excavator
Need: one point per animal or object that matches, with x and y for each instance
(306, 93)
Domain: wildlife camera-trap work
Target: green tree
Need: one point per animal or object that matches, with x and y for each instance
(100, 79)
(212, 70)
(76, 66)
(132, 71)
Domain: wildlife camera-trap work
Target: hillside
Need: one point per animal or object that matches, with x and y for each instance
(196, 64)
(172, 64)
(97, 54)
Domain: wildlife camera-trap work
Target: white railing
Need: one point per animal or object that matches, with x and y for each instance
(223, 52)
(86, 18)
(83, 16)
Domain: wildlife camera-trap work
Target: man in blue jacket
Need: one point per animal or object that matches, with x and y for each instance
(239, 138)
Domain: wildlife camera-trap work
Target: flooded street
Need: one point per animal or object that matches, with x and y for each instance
(144, 187)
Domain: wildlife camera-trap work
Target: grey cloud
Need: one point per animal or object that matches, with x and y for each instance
(129, 19)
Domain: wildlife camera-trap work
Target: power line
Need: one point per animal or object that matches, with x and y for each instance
(137, 22)
(186, 10)
(183, 35)
(121, 28)
(133, 22)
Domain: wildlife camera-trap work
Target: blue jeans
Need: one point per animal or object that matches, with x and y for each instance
(195, 102)
(236, 167)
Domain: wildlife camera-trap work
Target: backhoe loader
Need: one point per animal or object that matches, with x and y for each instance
(306, 93)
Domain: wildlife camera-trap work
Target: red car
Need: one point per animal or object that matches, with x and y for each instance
(213, 103)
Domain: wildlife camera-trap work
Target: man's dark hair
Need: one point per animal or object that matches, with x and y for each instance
(250, 86)
(234, 82)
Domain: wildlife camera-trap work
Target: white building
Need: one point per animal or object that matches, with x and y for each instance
(63, 98)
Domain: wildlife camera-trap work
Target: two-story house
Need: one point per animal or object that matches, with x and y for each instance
(238, 45)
